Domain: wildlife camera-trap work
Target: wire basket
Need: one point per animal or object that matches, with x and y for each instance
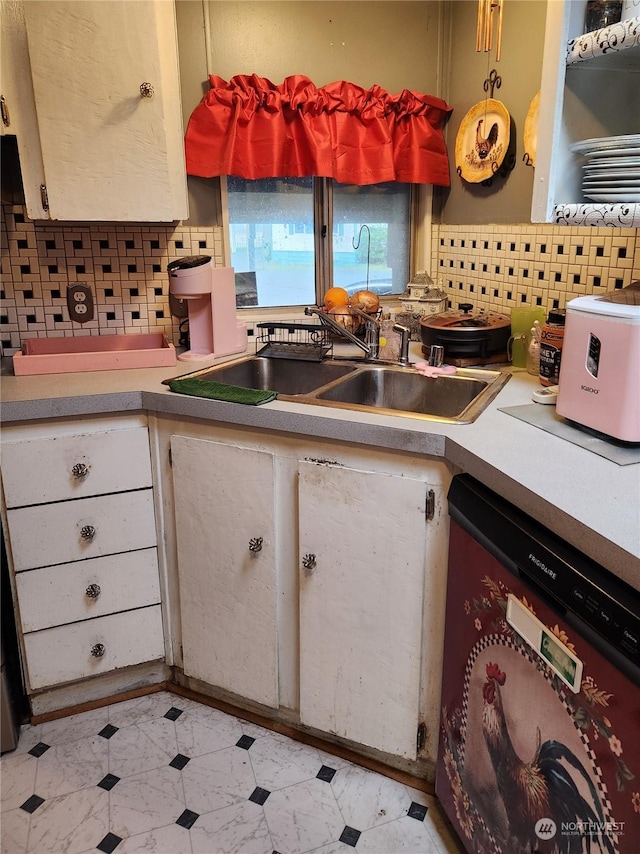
(308, 341)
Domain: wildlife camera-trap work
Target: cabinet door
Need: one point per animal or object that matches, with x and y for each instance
(224, 506)
(361, 605)
(109, 153)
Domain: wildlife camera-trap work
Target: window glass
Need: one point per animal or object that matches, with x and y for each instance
(272, 240)
(376, 219)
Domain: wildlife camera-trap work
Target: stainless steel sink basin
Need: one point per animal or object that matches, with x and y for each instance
(285, 376)
(401, 390)
(366, 387)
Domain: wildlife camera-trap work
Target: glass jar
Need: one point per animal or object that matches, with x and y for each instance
(601, 13)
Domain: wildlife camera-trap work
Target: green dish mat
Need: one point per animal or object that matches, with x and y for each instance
(221, 391)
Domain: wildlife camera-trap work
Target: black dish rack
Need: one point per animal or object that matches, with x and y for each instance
(309, 341)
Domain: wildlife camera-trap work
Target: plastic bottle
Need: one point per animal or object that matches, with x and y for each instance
(551, 341)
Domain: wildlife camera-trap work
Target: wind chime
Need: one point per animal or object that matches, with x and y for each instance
(485, 131)
(485, 26)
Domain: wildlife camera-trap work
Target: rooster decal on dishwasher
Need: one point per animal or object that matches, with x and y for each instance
(484, 146)
(542, 788)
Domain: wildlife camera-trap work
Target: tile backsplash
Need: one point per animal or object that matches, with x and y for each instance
(495, 267)
(126, 265)
(500, 267)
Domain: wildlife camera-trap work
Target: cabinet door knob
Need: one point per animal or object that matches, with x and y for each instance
(93, 591)
(309, 561)
(146, 90)
(255, 544)
(80, 470)
(87, 532)
(98, 650)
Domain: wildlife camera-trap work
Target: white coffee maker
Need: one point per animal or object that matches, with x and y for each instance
(211, 294)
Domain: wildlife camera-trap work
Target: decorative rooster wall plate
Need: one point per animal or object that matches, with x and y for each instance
(482, 140)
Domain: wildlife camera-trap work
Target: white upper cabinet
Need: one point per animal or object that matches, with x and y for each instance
(590, 89)
(107, 107)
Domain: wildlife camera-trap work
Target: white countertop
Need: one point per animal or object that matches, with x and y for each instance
(591, 502)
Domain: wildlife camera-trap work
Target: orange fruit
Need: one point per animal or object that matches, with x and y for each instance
(335, 297)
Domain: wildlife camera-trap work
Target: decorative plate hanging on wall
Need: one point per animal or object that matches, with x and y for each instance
(531, 131)
(482, 140)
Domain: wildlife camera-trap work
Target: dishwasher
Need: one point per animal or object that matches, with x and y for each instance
(539, 744)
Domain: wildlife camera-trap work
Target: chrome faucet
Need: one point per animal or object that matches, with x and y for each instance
(371, 343)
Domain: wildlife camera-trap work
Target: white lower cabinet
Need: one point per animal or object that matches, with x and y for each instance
(362, 555)
(312, 580)
(82, 545)
(224, 510)
(89, 648)
(90, 527)
(88, 588)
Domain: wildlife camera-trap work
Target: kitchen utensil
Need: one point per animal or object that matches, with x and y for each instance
(600, 369)
(466, 334)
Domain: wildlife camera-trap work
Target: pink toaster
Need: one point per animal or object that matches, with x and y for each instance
(599, 384)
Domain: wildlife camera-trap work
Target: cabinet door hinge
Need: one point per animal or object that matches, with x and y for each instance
(44, 197)
(4, 109)
(170, 459)
(430, 505)
(421, 737)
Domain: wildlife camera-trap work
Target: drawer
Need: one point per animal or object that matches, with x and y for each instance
(64, 654)
(75, 466)
(70, 592)
(76, 530)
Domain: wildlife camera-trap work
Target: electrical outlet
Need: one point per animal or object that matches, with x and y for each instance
(80, 303)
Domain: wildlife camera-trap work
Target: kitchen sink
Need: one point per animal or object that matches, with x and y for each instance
(406, 391)
(285, 376)
(384, 388)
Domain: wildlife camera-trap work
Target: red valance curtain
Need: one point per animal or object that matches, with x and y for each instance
(250, 128)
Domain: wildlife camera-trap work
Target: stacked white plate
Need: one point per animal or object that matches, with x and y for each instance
(612, 168)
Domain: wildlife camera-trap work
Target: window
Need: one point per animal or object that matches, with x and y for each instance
(278, 230)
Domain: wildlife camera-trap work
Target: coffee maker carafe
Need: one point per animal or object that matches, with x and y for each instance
(211, 301)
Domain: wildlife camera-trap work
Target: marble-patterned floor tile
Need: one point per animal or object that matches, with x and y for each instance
(254, 730)
(205, 730)
(71, 766)
(82, 725)
(142, 747)
(218, 780)
(238, 829)
(18, 779)
(144, 802)
(14, 831)
(141, 709)
(367, 799)
(171, 839)
(28, 737)
(303, 817)
(402, 834)
(280, 762)
(71, 824)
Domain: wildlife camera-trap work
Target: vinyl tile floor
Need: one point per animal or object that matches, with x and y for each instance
(165, 774)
